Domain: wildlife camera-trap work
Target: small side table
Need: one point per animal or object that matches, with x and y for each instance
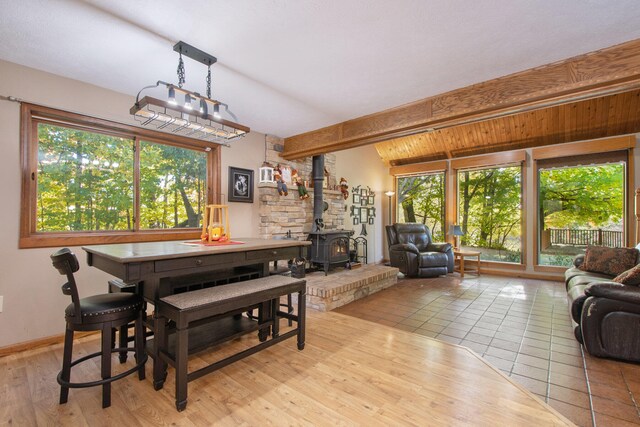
(459, 256)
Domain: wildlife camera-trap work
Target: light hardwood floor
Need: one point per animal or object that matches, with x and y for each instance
(352, 372)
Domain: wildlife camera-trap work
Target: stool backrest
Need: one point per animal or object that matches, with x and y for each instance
(66, 263)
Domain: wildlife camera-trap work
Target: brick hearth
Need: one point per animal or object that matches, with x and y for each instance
(343, 286)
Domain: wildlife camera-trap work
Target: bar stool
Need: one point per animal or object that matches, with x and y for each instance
(97, 313)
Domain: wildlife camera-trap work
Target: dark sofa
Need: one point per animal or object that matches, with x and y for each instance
(606, 314)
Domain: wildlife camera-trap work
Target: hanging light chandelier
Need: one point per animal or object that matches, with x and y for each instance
(191, 118)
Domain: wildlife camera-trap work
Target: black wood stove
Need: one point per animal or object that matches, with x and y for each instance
(328, 247)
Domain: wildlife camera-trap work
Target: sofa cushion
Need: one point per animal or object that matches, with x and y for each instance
(629, 277)
(587, 279)
(612, 261)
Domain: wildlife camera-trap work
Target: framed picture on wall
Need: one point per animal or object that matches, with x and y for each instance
(356, 199)
(371, 220)
(372, 200)
(356, 220)
(364, 215)
(240, 185)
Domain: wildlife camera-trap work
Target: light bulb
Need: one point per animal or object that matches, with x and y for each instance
(216, 111)
(204, 110)
(187, 102)
(172, 96)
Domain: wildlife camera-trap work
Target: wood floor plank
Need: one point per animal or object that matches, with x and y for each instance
(351, 372)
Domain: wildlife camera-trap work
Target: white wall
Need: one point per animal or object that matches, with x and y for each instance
(33, 302)
(363, 166)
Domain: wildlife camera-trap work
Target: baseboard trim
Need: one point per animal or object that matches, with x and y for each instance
(40, 342)
(522, 274)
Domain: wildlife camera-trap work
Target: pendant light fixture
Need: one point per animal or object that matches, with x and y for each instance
(192, 118)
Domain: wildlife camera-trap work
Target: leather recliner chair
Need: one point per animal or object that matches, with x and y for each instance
(411, 250)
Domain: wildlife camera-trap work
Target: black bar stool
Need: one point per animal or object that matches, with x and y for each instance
(97, 313)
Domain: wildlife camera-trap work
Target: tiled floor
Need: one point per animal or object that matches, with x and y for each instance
(520, 326)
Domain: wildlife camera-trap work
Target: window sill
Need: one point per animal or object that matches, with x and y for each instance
(50, 240)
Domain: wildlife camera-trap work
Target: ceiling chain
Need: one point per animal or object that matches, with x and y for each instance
(181, 78)
(209, 83)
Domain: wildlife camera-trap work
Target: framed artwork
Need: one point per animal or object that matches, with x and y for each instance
(372, 212)
(371, 200)
(240, 185)
(356, 199)
(371, 220)
(364, 215)
(356, 220)
(364, 192)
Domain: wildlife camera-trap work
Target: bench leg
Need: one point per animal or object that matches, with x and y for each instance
(182, 355)
(159, 342)
(275, 306)
(302, 315)
(264, 314)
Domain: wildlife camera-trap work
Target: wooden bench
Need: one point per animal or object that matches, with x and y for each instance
(223, 302)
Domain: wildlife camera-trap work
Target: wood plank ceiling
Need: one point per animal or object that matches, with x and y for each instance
(589, 96)
(611, 115)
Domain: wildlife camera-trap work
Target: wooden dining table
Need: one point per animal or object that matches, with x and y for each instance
(159, 269)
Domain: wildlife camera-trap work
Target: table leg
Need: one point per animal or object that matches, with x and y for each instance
(461, 265)
(302, 315)
(159, 342)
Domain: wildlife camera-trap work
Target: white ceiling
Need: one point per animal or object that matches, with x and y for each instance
(286, 67)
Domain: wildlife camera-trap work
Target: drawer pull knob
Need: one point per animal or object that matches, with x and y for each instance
(275, 252)
(198, 262)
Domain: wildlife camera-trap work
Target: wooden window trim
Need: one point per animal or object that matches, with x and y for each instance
(594, 146)
(32, 114)
(419, 168)
(489, 160)
(492, 161)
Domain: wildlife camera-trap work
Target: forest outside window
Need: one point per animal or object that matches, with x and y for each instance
(581, 201)
(421, 199)
(490, 212)
(84, 183)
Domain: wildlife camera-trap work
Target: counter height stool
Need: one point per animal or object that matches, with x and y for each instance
(97, 313)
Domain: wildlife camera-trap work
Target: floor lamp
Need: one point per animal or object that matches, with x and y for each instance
(390, 194)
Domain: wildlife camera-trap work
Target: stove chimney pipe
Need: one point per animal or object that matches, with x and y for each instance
(318, 178)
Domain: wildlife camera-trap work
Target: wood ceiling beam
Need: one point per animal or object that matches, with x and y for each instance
(607, 71)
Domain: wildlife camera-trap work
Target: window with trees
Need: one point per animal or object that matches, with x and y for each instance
(421, 199)
(490, 212)
(91, 181)
(581, 201)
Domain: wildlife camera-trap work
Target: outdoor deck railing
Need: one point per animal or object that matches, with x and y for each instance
(578, 237)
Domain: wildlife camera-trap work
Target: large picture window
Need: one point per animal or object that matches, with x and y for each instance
(490, 212)
(89, 181)
(581, 201)
(421, 199)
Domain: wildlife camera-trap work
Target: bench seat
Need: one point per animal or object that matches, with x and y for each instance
(193, 307)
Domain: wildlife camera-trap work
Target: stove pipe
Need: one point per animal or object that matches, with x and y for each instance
(318, 178)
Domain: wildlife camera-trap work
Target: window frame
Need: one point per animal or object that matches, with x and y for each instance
(492, 161)
(595, 146)
(32, 114)
(443, 172)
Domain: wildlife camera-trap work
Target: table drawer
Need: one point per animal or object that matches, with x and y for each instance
(197, 261)
(274, 254)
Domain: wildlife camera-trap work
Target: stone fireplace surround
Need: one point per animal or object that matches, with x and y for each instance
(280, 214)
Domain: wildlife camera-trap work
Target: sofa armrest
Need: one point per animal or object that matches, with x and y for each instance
(405, 247)
(614, 291)
(578, 260)
(439, 247)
